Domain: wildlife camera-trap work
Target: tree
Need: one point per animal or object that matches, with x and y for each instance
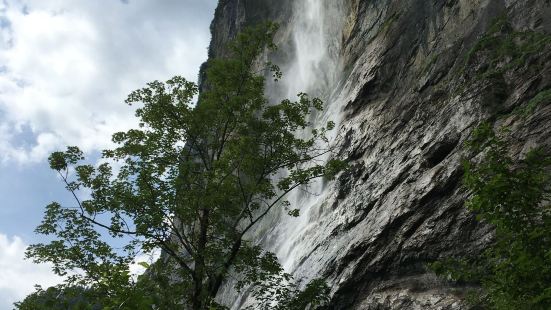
(58, 298)
(192, 181)
(512, 196)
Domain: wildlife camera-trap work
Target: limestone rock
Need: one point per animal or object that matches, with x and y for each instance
(413, 82)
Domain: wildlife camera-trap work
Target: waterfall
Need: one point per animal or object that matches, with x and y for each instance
(305, 73)
(314, 38)
(316, 33)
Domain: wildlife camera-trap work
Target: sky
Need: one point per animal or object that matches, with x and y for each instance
(66, 67)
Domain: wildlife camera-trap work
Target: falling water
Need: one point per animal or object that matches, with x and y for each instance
(316, 34)
(305, 73)
(313, 68)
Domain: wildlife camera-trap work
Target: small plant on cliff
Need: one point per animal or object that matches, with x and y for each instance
(505, 48)
(192, 181)
(514, 197)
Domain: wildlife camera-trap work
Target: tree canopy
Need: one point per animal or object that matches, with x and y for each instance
(192, 181)
(514, 197)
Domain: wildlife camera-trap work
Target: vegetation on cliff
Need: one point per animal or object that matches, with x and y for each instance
(513, 197)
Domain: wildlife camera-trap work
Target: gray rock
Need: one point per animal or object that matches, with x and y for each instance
(407, 97)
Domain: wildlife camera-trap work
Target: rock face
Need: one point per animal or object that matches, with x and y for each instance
(412, 78)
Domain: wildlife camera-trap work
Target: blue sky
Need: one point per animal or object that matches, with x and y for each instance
(66, 67)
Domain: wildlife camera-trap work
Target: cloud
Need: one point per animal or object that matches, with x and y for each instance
(18, 276)
(68, 66)
(137, 267)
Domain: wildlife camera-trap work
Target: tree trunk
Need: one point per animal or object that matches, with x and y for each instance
(199, 298)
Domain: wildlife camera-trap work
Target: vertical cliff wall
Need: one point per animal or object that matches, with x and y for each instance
(407, 81)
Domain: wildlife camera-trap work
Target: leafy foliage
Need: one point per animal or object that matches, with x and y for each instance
(506, 48)
(127, 296)
(57, 298)
(192, 181)
(541, 98)
(515, 272)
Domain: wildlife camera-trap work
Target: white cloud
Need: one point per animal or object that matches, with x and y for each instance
(18, 276)
(67, 66)
(136, 268)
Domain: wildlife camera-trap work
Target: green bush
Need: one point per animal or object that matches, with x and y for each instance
(512, 196)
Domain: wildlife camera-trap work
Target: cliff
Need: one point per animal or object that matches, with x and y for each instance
(407, 81)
